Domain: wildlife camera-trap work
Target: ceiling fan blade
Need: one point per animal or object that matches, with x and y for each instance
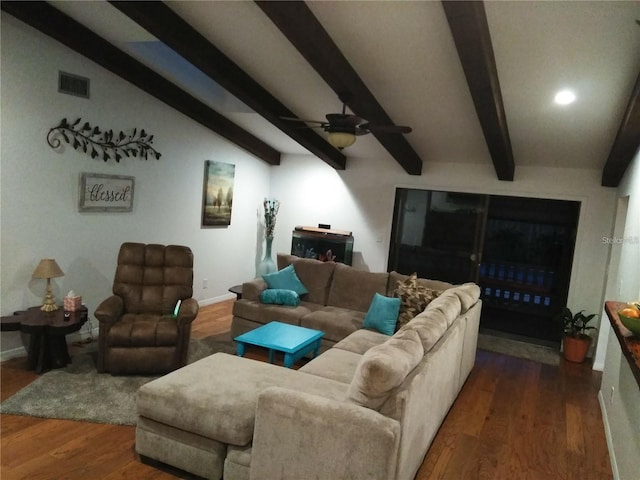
(295, 119)
(367, 127)
(345, 119)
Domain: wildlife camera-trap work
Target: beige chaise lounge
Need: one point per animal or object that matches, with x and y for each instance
(367, 408)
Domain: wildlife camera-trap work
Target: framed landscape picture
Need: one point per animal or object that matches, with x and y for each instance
(217, 193)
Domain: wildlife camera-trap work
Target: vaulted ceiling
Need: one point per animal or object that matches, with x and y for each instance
(475, 80)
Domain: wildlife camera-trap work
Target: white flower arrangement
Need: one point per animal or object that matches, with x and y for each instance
(271, 207)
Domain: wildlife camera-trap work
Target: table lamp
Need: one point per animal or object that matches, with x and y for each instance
(48, 268)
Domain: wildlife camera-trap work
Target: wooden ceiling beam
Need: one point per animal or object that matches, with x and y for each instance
(162, 22)
(468, 24)
(296, 21)
(64, 29)
(626, 143)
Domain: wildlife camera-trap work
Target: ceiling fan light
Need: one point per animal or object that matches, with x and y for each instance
(341, 140)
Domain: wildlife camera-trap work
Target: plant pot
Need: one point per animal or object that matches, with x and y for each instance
(575, 348)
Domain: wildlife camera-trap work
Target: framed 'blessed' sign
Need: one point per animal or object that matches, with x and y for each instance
(105, 193)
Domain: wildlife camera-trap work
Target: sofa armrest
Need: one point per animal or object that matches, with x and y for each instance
(251, 290)
(110, 310)
(188, 311)
(339, 439)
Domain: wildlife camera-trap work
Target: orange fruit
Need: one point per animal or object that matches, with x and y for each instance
(631, 312)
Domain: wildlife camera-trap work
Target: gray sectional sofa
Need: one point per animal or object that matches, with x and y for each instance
(368, 407)
(338, 299)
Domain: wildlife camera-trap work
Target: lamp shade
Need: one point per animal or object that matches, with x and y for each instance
(341, 140)
(47, 268)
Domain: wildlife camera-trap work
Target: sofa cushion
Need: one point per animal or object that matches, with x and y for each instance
(361, 340)
(265, 313)
(430, 326)
(414, 298)
(336, 323)
(285, 279)
(354, 289)
(384, 367)
(334, 364)
(448, 303)
(382, 314)
(216, 397)
(285, 259)
(468, 293)
(237, 462)
(201, 456)
(316, 276)
(395, 277)
(278, 296)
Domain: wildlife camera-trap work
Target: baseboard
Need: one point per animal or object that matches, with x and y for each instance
(13, 353)
(598, 366)
(218, 299)
(607, 432)
(81, 337)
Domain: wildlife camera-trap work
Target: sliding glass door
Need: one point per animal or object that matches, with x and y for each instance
(437, 234)
(519, 250)
(526, 267)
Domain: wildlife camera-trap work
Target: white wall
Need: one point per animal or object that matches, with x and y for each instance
(619, 393)
(39, 186)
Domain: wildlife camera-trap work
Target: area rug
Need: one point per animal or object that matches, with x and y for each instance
(516, 348)
(79, 392)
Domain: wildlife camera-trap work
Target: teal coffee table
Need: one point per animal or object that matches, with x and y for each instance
(295, 342)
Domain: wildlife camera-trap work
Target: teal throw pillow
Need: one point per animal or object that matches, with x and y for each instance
(279, 296)
(285, 279)
(383, 314)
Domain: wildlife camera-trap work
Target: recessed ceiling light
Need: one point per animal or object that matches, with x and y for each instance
(565, 97)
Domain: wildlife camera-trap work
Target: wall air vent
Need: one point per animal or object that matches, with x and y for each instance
(73, 84)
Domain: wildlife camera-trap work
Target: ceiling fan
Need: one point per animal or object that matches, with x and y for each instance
(344, 127)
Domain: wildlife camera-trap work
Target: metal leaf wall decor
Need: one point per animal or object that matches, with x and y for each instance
(102, 143)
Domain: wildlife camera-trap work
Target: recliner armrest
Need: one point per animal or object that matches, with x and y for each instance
(188, 311)
(110, 310)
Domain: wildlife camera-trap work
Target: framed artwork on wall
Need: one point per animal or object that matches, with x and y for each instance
(217, 193)
(106, 193)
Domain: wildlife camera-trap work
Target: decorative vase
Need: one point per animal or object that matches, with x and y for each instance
(267, 265)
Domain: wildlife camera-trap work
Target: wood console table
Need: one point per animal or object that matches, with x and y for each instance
(630, 345)
(47, 343)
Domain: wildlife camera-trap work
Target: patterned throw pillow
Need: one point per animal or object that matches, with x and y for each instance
(279, 296)
(414, 298)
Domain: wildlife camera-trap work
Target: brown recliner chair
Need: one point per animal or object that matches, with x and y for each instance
(139, 332)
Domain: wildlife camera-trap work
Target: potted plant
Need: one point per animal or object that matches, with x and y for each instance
(575, 341)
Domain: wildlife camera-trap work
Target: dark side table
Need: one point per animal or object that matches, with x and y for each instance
(47, 344)
(237, 289)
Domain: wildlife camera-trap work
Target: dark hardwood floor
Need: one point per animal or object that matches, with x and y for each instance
(514, 419)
